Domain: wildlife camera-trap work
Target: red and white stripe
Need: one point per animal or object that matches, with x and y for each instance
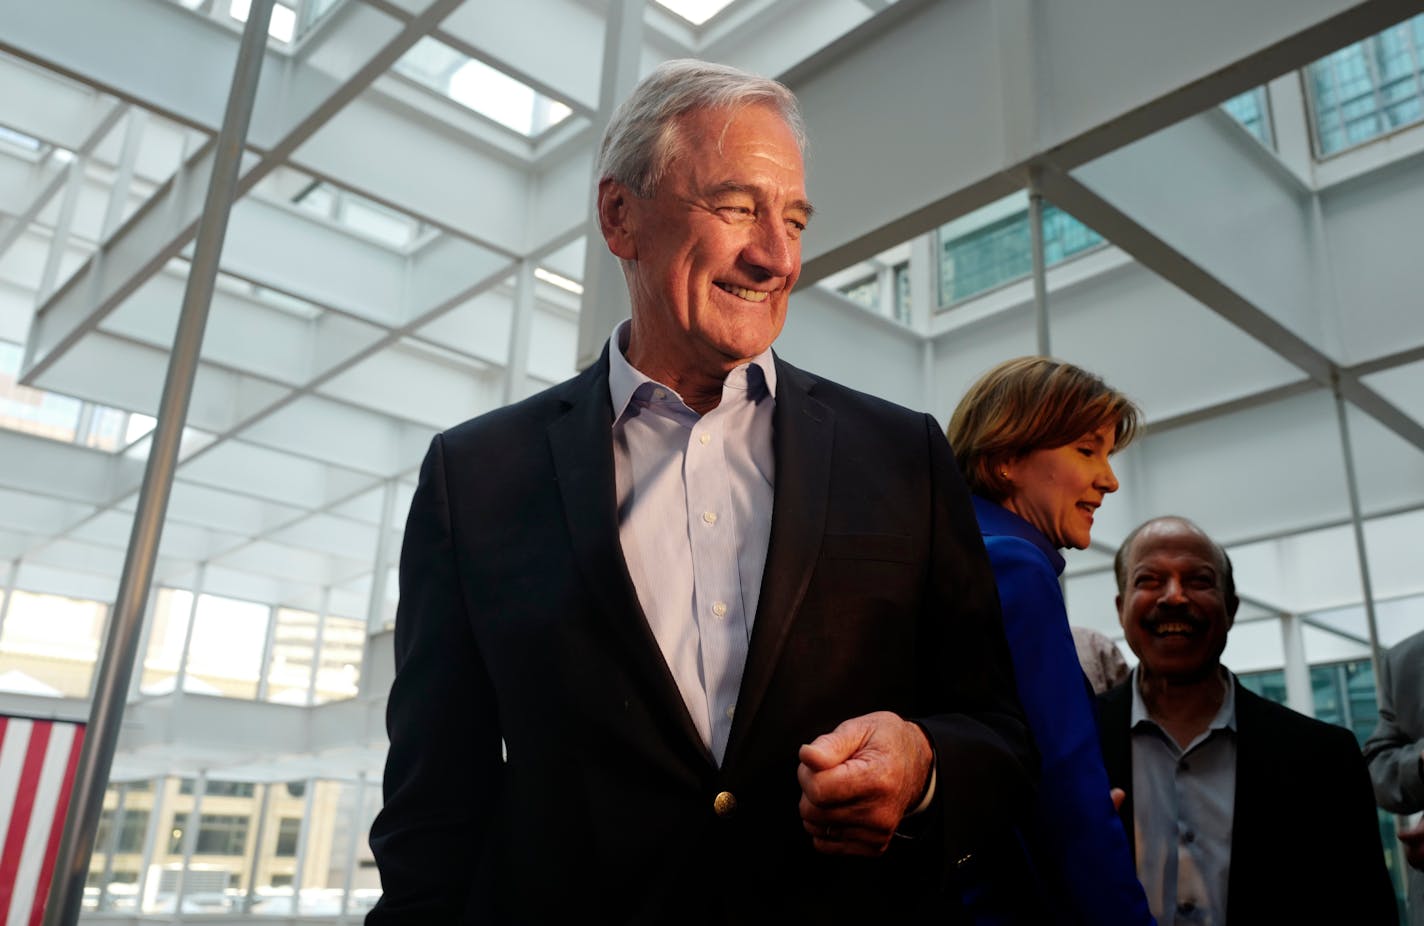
(37, 763)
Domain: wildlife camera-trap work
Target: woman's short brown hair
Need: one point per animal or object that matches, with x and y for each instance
(1028, 404)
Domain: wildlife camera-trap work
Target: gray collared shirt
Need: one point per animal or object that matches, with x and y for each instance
(694, 499)
(1183, 802)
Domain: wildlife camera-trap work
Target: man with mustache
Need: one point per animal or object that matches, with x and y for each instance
(1239, 809)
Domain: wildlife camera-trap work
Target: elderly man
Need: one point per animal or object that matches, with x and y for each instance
(695, 636)
(1395, 753)
(1241, 810)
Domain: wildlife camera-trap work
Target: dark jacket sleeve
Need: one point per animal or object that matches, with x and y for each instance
(444, 770)
(1393, 750)
(1080, 847)
(986, 766)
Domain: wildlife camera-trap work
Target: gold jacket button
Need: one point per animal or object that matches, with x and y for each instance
(724, 803)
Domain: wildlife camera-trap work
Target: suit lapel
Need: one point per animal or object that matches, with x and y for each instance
(1246, 842)
(802, 432)
(582, 445)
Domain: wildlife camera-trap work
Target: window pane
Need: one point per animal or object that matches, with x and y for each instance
(1252, 111)
(342, 642)
(49, 644)
(293, 648)
(865, 291)
(225, 656)
(33, 411)
(1368, 88)
(1000, 251)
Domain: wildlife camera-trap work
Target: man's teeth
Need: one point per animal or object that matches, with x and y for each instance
(751, 295)
(1173, 627)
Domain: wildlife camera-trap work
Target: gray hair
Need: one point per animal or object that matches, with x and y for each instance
(642, 135)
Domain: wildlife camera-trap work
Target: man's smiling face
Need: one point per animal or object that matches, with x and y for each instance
(1174, 608)
(711, 256)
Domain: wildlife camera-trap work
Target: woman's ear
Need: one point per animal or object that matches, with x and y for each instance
(616, 219)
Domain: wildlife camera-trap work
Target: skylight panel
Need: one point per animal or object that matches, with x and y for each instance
(562, 282)
(357, 213)
(282, 26)
(20, 140)
(696, 12)
(484, 89)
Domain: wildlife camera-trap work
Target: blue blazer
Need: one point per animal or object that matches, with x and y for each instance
(1075, 842)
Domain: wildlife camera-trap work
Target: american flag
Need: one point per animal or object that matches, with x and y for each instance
(37, 762)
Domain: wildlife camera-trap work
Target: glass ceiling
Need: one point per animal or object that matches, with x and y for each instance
(696, 12)
(477, 86)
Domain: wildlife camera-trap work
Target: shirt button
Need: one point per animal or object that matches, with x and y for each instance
(659, 393)
(704, 439)
(724, 803)
(710, 517)
(1184, 766)
(1189, 837)
(1186, 907)
(731, 711)
(719, 609)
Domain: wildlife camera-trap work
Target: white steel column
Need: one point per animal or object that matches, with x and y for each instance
(517, 360)
(1299, 696)
(123, 179)
(190, 840)
(352, 842)
(145, 635)
(376, 606)
(153, 832)
(181, 678)
(111, 849)
(1358, 525)
(12, 572)
(605, 297)
(260, 836)
(73, 186)
(303, 839)
(268, 644)
(1040, 273)
(66, 894)
(317, 644)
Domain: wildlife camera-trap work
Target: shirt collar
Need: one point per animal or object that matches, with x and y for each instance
(1225, 718)
(624, 379)
(998, 521)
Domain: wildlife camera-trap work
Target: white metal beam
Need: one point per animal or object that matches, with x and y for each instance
(1102, 74)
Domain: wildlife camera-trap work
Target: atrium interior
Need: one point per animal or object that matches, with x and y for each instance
(1225, 197)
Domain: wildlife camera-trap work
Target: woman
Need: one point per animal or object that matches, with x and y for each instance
(1033, 437)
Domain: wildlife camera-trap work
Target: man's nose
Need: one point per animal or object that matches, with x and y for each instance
(1172, 591)
(772, 248)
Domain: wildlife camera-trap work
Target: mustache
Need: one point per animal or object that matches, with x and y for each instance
(1157, 617)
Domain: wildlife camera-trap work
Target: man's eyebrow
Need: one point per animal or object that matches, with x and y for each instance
(751, 189)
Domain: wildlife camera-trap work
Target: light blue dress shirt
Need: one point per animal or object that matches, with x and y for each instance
(1183, 803)
(694, 497)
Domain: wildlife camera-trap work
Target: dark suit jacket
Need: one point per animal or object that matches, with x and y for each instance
(1392, 751)
(1305, 845)
(518, 623)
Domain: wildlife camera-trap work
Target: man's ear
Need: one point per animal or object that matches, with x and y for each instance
(1117, 603)
(616, 220)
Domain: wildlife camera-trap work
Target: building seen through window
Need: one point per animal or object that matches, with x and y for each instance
(1369, 88)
